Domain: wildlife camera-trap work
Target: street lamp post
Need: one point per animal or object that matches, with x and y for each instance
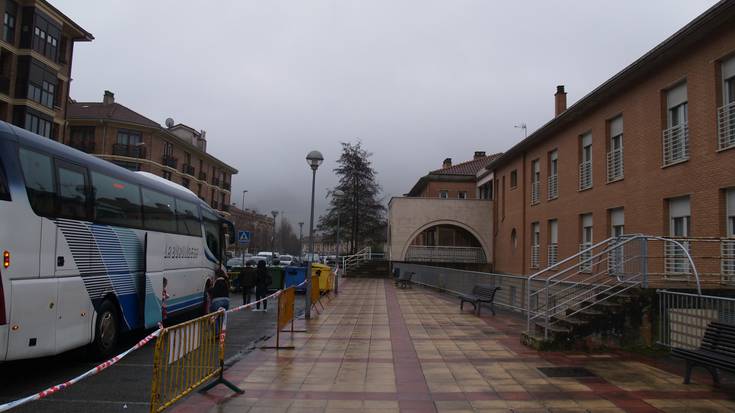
(273, 244)
(314, 159)
(242, 206)
(339, 194)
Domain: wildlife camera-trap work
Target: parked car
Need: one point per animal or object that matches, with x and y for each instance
(285, 260)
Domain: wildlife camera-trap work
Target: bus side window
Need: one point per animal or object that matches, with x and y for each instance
(38, 171)
(4, 189)
(158, 211)
(212, 232)
(187, 217)
(116, 202)
(73, 199)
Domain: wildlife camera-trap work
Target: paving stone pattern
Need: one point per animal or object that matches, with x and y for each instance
(379, 349)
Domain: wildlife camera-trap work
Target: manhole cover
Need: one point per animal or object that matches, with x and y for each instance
(560, 372)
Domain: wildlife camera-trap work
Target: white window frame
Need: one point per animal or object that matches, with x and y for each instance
(552, 190)
(443, 194)
(553, 247)
(462, 194)
(726, 113)
(585, 165)
(675, 142)
(615, 154)
(676, 263)
(535, 181)
(586, 242)
(535, 244)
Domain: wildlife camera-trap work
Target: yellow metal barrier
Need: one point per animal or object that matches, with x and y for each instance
(286, 301)
(186, 356)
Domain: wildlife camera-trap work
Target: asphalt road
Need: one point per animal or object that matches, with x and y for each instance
(126, 386)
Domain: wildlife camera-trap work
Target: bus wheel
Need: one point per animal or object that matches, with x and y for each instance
(106, 330)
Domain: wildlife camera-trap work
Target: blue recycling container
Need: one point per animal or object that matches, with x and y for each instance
(294, 276)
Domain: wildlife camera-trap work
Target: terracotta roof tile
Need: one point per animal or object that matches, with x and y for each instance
(113, 111)
(468, 167)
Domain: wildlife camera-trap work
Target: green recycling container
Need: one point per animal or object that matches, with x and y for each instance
(276, 274)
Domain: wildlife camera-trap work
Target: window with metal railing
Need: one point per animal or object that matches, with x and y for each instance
(553, 254)
(585, 175)
(535, 247)
(535, 181)
(676, 144)
(552, 190)
(727, 262)
(615, 150)
(585, 164)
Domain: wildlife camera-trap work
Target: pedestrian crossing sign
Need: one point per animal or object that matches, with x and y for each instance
(243, 237)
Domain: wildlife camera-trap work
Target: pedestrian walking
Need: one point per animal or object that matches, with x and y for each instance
(247, 280)
(262, 281)
(219, 293)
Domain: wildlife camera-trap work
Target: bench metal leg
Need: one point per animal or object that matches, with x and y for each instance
(688, 374)
(715, 372)
(477, 308)
(492, 308)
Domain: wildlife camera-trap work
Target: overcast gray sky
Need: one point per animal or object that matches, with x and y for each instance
(416, 80)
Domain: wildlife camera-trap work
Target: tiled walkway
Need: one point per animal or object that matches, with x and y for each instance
(380, 349)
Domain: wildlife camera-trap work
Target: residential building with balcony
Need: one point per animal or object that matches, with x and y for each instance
(651, 151)
(36, 49)
(259, 225)
(176, 152)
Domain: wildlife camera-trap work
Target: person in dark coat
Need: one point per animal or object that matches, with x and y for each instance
(262, 281)
(247, 281)
(219, 293)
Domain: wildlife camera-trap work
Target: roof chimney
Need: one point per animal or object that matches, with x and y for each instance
(108, 98)
(560, 98)
(479, 154)
(447, 163)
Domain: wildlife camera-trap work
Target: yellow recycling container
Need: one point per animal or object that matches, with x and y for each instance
(325, 272)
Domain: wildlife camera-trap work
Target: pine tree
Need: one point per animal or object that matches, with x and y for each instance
(360, 208)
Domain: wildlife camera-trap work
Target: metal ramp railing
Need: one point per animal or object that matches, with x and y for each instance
(593, 275)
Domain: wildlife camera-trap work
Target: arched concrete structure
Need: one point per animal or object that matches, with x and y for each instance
(408, 217)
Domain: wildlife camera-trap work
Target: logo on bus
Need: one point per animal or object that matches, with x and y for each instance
(178, 252)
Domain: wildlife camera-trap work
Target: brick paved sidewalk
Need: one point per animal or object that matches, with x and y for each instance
(380, 349)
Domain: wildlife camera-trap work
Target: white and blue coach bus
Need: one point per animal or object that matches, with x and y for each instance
(87, 247)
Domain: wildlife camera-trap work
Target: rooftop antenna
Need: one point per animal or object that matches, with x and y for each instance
(522, 125)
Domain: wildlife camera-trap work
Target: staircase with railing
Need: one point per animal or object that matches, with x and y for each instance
(365, 263)
(592, 283)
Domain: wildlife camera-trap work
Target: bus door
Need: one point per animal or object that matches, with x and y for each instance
(155, 248)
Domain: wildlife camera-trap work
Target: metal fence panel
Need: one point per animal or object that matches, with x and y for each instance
(684, 317)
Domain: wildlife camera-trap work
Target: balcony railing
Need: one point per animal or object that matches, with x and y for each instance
(727, 262)
(535, 186)
(676, 144)
(187, 169)
(726, 126)
(169, 161)
(131, 151)
(553, 187)
(84, 146)
(535, 249)
(676, 262)
(553, 254)
(585, 175)
(420, 253)
(226, 186)
(615, 165)
(202, 176)
(585, 258)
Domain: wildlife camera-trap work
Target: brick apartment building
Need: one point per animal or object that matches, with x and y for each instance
(176, 152)
(455, 181)
(36, 51)
(651, 150)
(259, 225)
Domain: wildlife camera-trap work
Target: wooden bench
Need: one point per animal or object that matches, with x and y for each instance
(716, 352)
(480, 294)
(404, 280)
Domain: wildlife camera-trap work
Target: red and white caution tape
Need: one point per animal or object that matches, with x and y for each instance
(253, 303)
(103, 366)
(99, 368)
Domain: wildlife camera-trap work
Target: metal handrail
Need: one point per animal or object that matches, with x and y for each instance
(356, 258)
(609, 245)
